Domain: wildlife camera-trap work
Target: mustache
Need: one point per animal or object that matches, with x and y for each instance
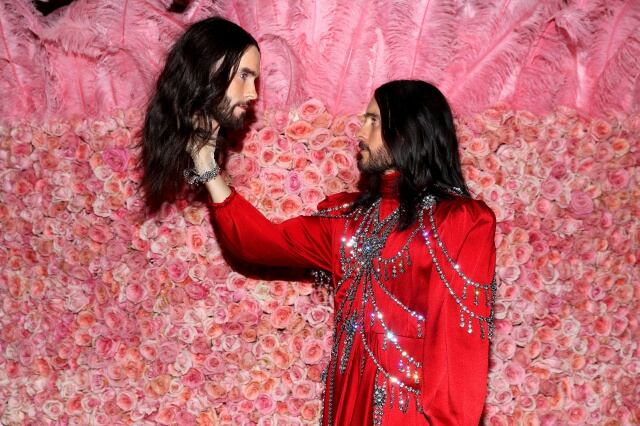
(362, 146)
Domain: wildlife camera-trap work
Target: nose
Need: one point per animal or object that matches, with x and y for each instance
(361, 136)
(250, 92)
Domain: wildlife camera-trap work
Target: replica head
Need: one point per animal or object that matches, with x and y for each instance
(208, 81)
(409, 127)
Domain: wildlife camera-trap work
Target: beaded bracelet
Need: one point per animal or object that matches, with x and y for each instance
(193, 178)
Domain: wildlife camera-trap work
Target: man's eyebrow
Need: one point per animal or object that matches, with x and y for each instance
(248, 71)
(371, 115)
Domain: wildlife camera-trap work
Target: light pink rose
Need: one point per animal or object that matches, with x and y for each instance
(267, 137)
(193, 379)
(514, 373)
(505, 348)
(551, 189)
(310, 410)
(581, 204)
(135, 292)
(339, 143)
(177, 270)
(251, 148)
(312, 352)
(478, 147)
(353, 124)
(311, 110)
(299, 130)
(267, 156)
(319, 138)
(264, 404)
(166, 415)
(618, 179)
(293, 183)
(116, 159)
(196, 291)
(290, 205)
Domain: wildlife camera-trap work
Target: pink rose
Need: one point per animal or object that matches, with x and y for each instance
(304, 390)
(581, 204)
(281, 317)
(126, 400)
(281, 358)
(324, 120)
(293, 183)
(196, 291)
(116, 159)
(310, 410)
(290, 205)
(343, 160)
(278, 119)
(311, 196)
(311, 109)
(135, 292)
(353, 124)
(267, 137)
(268, 342)
(166, 415)
(193, 379)
(514, 373)
(251, 148)
(265, 404)
(339, 143)
(53, 409)
(478, 147)
(312, 352)
(267, 156)
(505, 348)
(618, 179)
(509, 273)
(551, 189)
(620, 146)
(196, 239)
(299, 130)
(319, 138)
(177, 270)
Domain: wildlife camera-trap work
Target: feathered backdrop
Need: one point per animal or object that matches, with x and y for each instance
(93, 57)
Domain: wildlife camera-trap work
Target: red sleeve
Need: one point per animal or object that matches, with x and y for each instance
(456, 361)
(303, 241)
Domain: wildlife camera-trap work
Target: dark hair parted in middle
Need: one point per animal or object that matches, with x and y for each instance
(419, 132)
(190, 88)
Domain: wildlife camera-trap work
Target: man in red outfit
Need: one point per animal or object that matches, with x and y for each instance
(410, 259)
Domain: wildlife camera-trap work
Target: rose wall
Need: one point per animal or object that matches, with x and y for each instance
(111, 316)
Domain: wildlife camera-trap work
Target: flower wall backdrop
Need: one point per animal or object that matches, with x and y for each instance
(109, 316)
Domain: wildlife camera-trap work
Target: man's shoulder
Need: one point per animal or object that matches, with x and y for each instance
(338, 201)
(466, 206)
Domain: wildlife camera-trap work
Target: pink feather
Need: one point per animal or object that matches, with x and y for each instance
(492, 45)
(612, 65)
(92, 56)
(548, 70)
(282, 76)
(341, 62)
(420, 37)
(22, 64)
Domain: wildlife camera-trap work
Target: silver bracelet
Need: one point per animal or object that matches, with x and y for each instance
(193, 178)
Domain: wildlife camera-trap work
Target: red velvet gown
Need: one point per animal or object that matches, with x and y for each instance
(411, 346)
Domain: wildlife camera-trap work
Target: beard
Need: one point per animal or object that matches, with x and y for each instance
(379, 161)
(225, 117)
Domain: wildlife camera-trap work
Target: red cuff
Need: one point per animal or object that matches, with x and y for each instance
(223, 203)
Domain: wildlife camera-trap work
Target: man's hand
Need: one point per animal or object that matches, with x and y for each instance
(203, 158)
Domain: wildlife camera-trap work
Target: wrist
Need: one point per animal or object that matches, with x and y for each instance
(196, 177)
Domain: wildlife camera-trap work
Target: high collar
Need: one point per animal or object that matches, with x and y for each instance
(389, 185)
